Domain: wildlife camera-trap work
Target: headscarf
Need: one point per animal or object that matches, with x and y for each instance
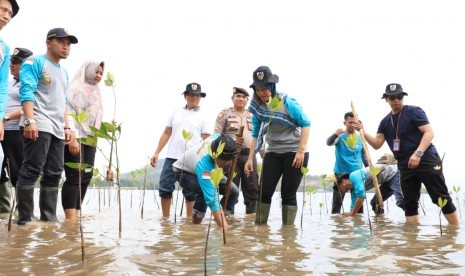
(84, 95)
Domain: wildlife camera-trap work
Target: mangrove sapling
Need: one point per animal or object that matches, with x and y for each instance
(321, 207)
(304, 171)
(311, 191)
(441, 203)
(456, 191)
(144, 187)
(13, 195)
(275, 104)
(80, 119)
(111, 132)
(216, 175)
(187, 136)
(326, 179)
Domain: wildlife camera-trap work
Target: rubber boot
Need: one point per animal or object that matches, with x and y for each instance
(251, 209)
(25, 204)
(48, 203)
(289, 213)
(263, 211)
(5, 197)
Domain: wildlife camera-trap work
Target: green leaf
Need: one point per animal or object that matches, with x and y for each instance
(442, 202)
(304, 170)
(216, 176)
(351, 140)
(374, 170)
(187, 135)
(76, 165)
(82, 117)
(275, 104)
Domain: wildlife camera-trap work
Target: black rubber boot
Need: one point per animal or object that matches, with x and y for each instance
(25, 204)
(48, 203)
(5, 197)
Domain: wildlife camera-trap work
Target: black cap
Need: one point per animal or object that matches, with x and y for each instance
(21, 53)
(262, 76)
(61, 32)
(240, 90)
(393, 89)
(341, 176)
(230, 147)
(14, 7)
(194, 88)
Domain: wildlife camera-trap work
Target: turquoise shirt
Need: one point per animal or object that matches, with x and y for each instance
(4, 73)
(358, 181)
(348, 159)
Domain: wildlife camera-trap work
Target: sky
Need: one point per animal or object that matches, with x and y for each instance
(327, 54)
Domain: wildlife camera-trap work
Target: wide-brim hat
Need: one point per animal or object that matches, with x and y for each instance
(240, 90)
(194, 88)
(388, 159)
(262, 76)
(14, 7)
(230, 147)
(393, 89)
(21, 53)
(61, 32)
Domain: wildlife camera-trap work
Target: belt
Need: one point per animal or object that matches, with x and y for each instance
(244, 152)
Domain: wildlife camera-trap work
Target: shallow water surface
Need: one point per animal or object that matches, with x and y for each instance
(155, 246)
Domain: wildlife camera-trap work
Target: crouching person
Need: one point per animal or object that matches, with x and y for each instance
(193, 173)
(361, 180)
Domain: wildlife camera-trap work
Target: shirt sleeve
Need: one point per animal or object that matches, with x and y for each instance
(220, 122)
(256, 124)
(203, 170)
(296, 112)
(30, 74)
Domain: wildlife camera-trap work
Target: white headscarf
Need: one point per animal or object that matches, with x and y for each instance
(84, 95)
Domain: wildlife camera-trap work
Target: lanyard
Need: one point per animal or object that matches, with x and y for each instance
(396, 128)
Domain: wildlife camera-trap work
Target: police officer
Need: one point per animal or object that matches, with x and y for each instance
(229, 122)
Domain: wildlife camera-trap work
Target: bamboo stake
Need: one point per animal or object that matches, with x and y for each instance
(231, 171)
(367, 153)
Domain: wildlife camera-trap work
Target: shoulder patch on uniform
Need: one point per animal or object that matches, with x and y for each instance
(29, 60)
(221, 115)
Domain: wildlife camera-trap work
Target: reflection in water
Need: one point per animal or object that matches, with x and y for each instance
(155, 246)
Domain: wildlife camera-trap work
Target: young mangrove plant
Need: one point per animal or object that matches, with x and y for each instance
(456, 191)
(187, 136)
(311, 191)
(441, 204)
(304, 171)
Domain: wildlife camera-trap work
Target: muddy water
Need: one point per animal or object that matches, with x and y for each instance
(155, 246)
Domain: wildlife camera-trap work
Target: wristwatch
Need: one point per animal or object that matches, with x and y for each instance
(419, 153)
(28, 122)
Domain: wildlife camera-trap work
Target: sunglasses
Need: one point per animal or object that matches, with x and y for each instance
(396, 97)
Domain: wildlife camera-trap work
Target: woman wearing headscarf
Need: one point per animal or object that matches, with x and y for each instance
(83, 96)
(286, 130)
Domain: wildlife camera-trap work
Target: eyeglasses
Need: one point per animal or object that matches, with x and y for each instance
(396, 97)
(15, 61)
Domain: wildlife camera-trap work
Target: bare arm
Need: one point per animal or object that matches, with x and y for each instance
(164, 138)
(358, 204)
(248, 167)
(300, 154)
(205, 136)
(426, 139)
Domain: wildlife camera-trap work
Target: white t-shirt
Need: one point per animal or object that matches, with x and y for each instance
(194, 121)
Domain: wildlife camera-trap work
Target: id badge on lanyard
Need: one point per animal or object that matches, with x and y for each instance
(396, 145)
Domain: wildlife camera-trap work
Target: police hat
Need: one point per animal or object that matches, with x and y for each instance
(61, 32)
(230, 147)
(240, 90)
(262, 76)
(393, 89)
(194, 88)
(21, 53)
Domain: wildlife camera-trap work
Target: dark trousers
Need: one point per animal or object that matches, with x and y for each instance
(276, 165)
(248, 183)
(43, 155)
(70, 190)
(429, 172)
(13, 149)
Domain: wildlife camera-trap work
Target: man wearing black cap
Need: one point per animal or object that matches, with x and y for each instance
(193, 172)
(8, 10)
(228, 122)
(45, 125)
(408, 133)
(189, 118)
(12, 143)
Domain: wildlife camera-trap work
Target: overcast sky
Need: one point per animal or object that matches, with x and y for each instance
(326, 53)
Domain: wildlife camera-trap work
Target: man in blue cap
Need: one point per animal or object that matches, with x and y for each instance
(45, 126)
